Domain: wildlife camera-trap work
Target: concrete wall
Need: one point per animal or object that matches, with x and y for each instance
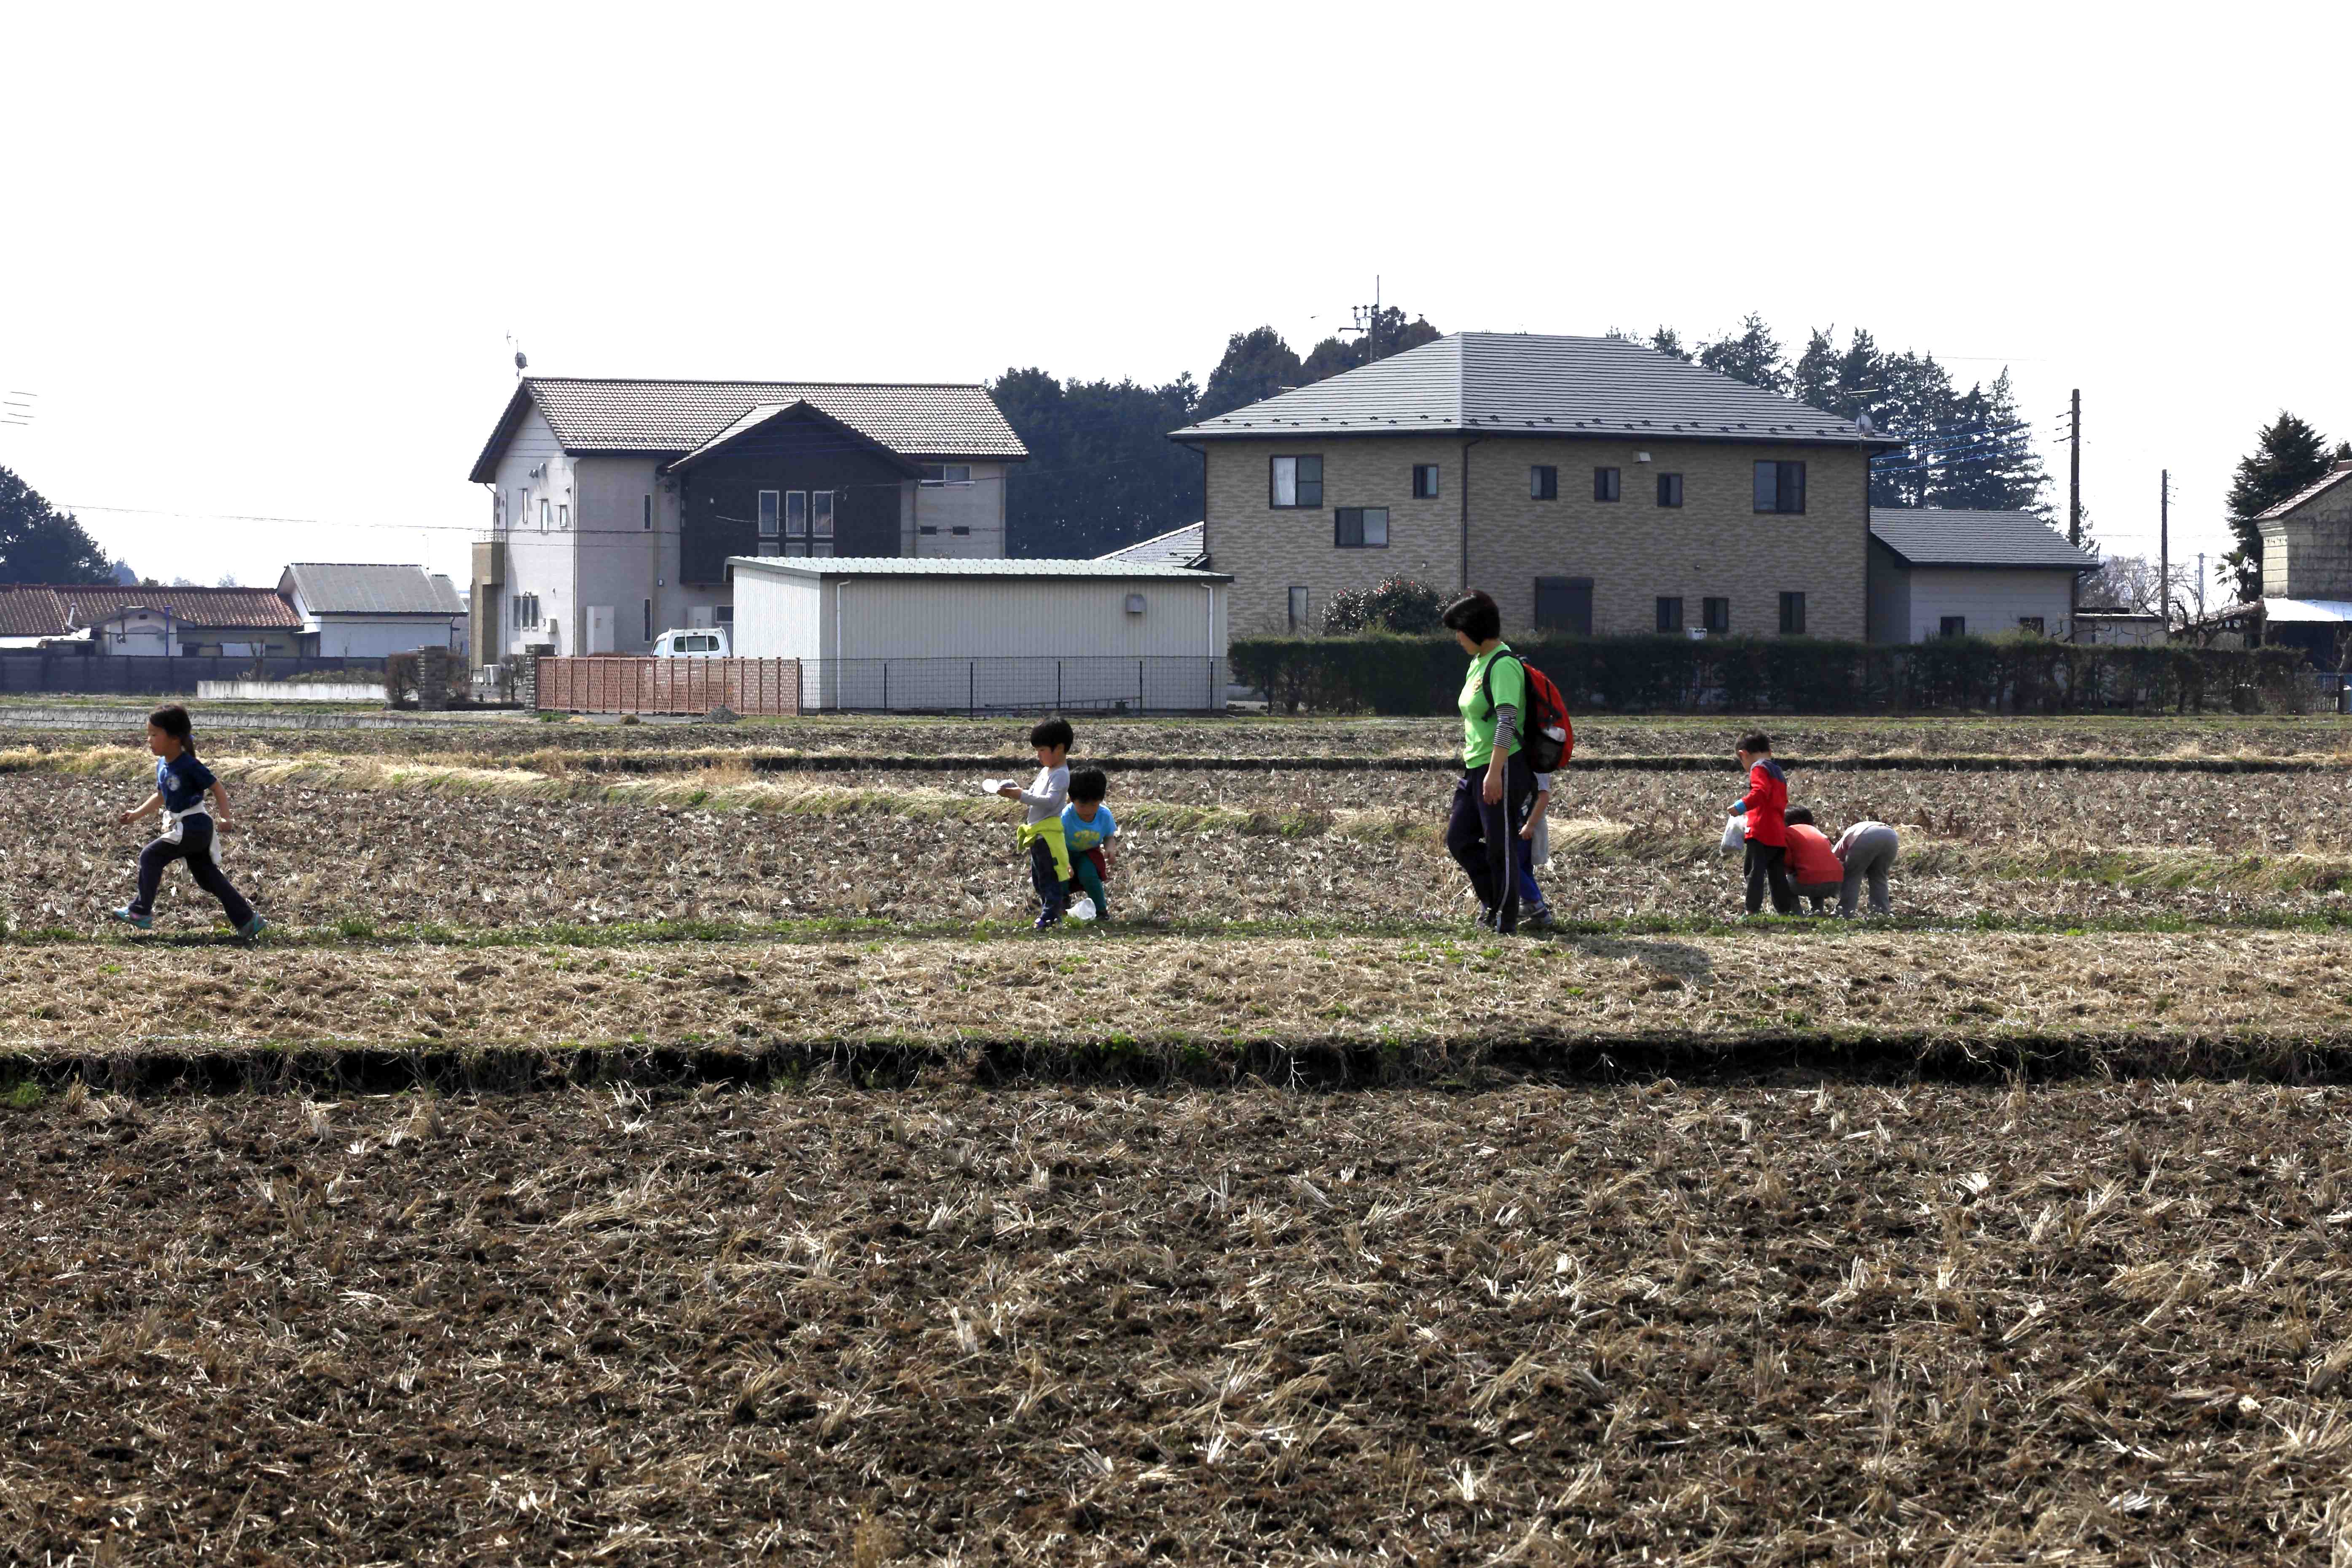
(929, 515)
(1992, 599)
(1715, 545)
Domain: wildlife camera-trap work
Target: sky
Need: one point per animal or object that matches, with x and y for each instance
(262, 267)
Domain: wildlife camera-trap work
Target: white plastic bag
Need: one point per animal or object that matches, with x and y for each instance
(1082, 908)
(1735, 834)
(992, 786)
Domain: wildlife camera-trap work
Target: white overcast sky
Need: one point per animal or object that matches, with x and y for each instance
(264, 263)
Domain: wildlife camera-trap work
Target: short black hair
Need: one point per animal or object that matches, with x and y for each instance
(1755, 741)
(172, 719)
(1802, 815)
(1089, 783)
(1053, 732)
(1475, 615)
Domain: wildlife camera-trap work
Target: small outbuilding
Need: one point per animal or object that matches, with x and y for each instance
(1941, 572)
(910, 634)
(367, 610)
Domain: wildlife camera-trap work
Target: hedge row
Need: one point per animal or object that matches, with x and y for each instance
(1399, 675)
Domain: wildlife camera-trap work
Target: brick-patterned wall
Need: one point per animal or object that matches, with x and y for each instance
(1715, 544)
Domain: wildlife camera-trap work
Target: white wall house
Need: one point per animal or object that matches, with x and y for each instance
(367, 611)
(1946, 573)
(615, 503)
(913, 635)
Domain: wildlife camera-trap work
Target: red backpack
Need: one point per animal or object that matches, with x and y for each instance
(1546, 712)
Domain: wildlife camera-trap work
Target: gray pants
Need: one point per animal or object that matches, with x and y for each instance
(1871, 855)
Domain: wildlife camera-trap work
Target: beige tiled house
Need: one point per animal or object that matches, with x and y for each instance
(1591, 484)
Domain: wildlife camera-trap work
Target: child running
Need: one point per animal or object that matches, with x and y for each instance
(1040, 835)
(1087, 828)
(189, 826)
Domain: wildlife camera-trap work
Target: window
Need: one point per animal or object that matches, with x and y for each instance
(724, 615)
(947, 473)
(796, 515)
(770, 547)
(771, 502)
(1564, 604)
(1955, 626)
(1543, 482)
(650, 620)
(1670, 489)
(1605, 484)
(929, 528)
(563, 517)
(525, 611)
(959, 531)
(649, 513)
(546, 513)
(1716, 613)
(1298, 610)
(1360, 527)
(1792, 615)
(2030, 623)
(1294, 482)
(1779, 487)
(1669, 615)
(821, 517)
(1424, 482)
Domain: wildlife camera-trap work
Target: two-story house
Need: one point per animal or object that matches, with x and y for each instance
(1592, 485)
(615, 504)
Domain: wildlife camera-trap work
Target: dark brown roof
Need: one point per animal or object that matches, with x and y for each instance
(927, 422)
(48, 610)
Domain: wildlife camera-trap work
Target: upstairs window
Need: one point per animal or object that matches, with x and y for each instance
(1792, 615)
(1670, 489)
(1669, 615)
(1360, 527)
(1294, 482)
(1779, 487)
(820, 522)
(1424, 482)
(796, 514)
(770, 511)
(1605, 483)
(1717, 614)
(563, 517)
(947, 473)
(1543, 482)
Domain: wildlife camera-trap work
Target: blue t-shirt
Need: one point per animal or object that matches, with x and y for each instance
(1082, 834)
(182, 780)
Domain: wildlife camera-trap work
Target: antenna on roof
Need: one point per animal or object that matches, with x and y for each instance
(522, 361)
(1863, 421)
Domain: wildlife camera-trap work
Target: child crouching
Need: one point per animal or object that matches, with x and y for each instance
(1087, 828)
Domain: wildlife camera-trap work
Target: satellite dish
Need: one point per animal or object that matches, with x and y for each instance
(1861, 420)
(521, 364)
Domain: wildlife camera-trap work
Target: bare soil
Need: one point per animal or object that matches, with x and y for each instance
(2091, 1324)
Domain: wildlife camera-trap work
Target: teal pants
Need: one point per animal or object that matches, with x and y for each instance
(1083, 872)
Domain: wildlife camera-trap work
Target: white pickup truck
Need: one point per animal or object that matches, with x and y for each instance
(693, 642)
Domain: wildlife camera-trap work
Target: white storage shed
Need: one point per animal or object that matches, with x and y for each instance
(934, 635)
(367, 610)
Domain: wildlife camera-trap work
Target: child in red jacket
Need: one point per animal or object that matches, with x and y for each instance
(1767, 834)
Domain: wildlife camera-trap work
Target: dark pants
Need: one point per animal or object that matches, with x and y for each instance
(1483, 840)
(196, 846)
(1767, 864)
(1047, 878)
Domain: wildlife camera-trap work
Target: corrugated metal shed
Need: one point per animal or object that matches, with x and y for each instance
(936, 567)
(355, 588)
(1937, 536)
(1518, 383)
(922, 421)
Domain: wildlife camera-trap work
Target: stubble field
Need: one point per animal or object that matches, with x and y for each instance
(1455, 1291)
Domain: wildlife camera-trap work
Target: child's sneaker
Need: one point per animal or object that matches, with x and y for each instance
(136, 922)
(1536, 919)
(1046, 922)
(253, 928)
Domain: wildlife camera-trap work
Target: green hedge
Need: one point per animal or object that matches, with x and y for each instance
(1401, 675)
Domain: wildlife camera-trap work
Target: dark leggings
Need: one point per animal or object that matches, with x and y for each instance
(196, 846)
(1767, 866)
(1483, 838)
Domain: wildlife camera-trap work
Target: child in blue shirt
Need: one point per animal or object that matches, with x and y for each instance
(182, 783)
(1087, 828)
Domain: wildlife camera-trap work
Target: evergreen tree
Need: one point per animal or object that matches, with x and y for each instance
(1987, 461)
(1257, 366)
(1101, 471)
(1388, 334)
(1815, 380)
(2288, 457)
(39, 543)
(1915, 404)
(1753, 356)
(1669, 343)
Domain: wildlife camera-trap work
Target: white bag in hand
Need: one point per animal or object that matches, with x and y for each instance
(1735, 834)
(992, 786)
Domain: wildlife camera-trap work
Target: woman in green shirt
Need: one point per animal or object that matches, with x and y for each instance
(1496, 787)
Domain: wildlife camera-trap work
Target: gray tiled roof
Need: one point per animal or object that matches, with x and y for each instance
(978, 567)
(351, 588)
(2311, 492)
(1177, 547)
(1518, 383)
(1937, 536)
(589, 416)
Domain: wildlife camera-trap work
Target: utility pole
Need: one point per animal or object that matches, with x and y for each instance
(2200, 586)
(2164, 555)
(2074, 469)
